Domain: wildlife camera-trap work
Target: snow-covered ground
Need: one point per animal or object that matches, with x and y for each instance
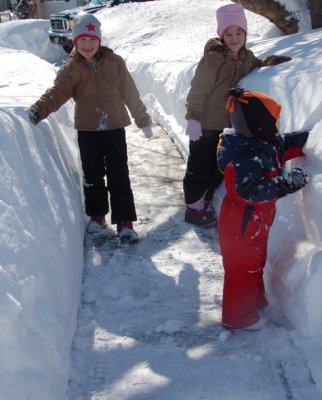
(163, 300)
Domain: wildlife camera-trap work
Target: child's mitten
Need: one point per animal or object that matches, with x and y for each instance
(274, 60)
(33, 116)
(147, 130)
(298, 177)
(293, 181)
(194, 130)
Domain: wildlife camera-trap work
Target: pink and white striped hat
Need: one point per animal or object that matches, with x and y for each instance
(229, 15)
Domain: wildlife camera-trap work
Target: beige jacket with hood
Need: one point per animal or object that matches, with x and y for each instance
(101, 95)
(215, 74)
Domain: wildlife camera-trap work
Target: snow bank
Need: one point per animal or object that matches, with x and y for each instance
(41, 237)
(31, 35)
(41, 223)
(163, 61)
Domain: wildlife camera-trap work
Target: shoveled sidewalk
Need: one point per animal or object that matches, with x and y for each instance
(149, 325)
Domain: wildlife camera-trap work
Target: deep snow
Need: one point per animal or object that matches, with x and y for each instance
(42, 226)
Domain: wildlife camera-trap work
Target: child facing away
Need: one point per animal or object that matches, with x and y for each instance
(226, 60)
(252, 157)
(101, 86)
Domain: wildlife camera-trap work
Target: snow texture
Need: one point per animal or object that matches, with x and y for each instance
(143, 322)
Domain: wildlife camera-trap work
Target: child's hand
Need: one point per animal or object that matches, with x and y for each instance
(299, 178)
(33, 116)
(194, 130)
(274, 60)
(292, 181)
(148, 133)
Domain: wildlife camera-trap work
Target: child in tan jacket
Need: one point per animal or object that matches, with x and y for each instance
(226, 60)
(101, 86)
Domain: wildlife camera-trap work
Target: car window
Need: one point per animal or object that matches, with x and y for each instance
(100, 2)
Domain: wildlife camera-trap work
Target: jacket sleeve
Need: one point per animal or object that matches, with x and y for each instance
(56, 96)
(131, 97)
(202, 85)
(274, 60)
(293, 144)
(252, 185)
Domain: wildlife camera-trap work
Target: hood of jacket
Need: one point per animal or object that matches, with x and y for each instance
(215, 44)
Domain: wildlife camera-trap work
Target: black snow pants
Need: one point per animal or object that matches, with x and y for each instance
(202, 174)
(106, 174)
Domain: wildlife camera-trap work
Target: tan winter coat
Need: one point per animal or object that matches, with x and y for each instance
(215, 74)
(100, 95)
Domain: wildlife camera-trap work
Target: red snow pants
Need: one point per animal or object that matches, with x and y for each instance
(243, 235)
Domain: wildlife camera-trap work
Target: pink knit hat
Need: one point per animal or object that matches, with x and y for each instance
(231, 14)
(86, 25)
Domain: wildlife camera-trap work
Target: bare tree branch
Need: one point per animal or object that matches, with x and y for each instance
(315, 7)
(275, 12)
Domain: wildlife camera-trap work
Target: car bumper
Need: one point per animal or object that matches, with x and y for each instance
(60, 38)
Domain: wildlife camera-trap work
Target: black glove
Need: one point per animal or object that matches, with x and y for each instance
(274, 60)
(293, 181)
(33, 116)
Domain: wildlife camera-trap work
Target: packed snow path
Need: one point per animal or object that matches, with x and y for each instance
(149, 320)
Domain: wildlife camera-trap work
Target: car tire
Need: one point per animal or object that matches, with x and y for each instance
(68, 48)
